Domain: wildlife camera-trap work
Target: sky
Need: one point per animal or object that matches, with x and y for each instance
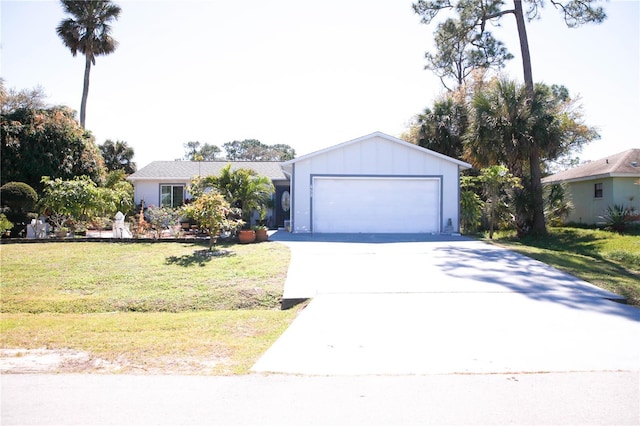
(309, 74)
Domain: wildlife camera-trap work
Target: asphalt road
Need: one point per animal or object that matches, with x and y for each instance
(532, 399)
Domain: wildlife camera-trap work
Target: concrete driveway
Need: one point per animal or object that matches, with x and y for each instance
(420, 304)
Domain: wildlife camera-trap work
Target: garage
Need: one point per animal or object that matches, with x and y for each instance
(371, 204)
(374, 184)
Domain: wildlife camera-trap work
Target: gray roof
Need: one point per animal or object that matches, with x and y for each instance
(185, 170)
(623, 164)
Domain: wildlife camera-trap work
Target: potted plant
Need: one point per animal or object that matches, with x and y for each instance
(261, 233)
(61, 232)
(246, 236)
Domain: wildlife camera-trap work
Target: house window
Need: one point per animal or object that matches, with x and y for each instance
(597, 190)
(171, 195)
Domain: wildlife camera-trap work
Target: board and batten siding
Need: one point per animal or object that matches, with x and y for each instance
(376, 156)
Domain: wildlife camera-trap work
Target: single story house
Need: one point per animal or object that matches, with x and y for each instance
(375, 184)
(165, 183)
(596, 185)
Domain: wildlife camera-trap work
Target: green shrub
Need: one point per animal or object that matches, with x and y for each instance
(618, 218)
(5, 224)
(18, 196)
(470, 211)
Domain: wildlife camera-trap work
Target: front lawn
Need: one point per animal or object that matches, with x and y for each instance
(145, 307)
(603, 258)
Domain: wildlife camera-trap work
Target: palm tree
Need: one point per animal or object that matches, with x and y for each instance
(441, 129)
(118, 155)
(88, 31)
(507, 125)
(244, 189)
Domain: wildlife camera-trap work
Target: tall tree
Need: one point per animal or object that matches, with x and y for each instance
(88, 31)
(254, 150)
(118, 156)
(474, 16)
(458, 53)
(46, 142)
(13, 99)
(507, 124)
(195, 151)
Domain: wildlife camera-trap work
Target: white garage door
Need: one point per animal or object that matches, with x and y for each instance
(376, 205)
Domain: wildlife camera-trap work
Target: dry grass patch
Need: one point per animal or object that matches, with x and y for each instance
(224, 342)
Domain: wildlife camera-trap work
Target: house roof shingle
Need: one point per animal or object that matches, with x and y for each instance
(623, 164)
(181, 170)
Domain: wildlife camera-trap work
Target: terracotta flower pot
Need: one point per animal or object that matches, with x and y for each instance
(261, 235)
(246, 236)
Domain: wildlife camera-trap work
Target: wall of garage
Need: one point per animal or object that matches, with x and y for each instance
(376, 155)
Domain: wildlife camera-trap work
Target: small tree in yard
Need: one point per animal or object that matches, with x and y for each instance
(496, 180)
(66, 201)
(80, 199)
(470, 205)
(243, 189)
(211, 211)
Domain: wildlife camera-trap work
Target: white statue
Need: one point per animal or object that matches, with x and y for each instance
(38, 229)
(120, 228)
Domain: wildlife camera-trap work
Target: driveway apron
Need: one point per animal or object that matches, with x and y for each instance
(421, 304)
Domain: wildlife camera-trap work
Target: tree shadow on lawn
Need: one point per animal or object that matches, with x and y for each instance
(567, 239)
(198, 258)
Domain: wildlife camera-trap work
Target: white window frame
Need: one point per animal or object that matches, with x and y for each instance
(173, 186)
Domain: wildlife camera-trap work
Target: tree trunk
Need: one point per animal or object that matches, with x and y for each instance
(539, 226)
(85, 91)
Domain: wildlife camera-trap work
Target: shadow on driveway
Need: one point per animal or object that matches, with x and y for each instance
(536, 280)
(364, 238)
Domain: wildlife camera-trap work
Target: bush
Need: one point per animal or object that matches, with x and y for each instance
(5, 224)
(18, 196)
(163, 218)
(618, 218)
(470, 211)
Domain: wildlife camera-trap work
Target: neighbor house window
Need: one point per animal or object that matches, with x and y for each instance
(597, 190)
(171, 195)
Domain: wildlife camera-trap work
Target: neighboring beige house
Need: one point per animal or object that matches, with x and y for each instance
(598, 184)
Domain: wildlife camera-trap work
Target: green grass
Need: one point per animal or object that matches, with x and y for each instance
(145, 307)
(603, 258)
(153, 277)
